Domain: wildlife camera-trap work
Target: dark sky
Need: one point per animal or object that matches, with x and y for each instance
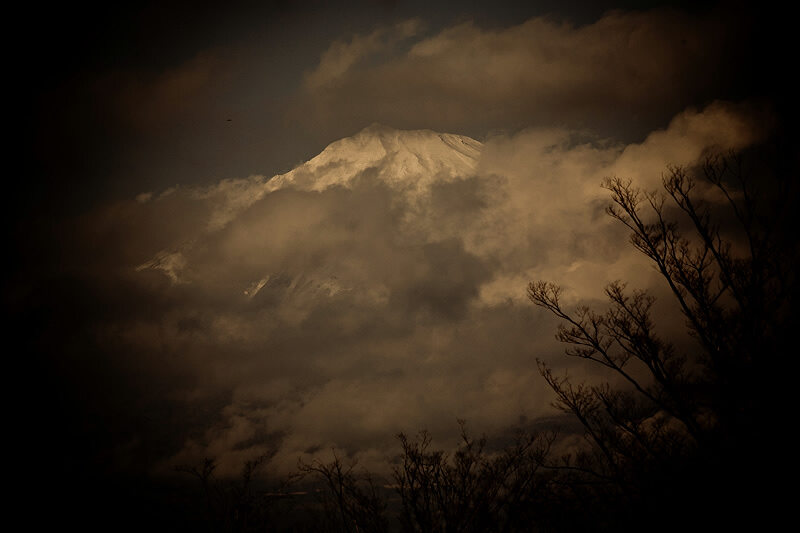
(143, 226)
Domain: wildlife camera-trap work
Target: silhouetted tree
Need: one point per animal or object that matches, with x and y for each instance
(233, 506)
(681, 439)
(470, 490)
(350, 500)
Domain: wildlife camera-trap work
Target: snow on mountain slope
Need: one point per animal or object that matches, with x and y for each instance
(408, 161)
(403, 159)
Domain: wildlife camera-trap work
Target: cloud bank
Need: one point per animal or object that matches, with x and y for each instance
(305, 312)
(543, 71)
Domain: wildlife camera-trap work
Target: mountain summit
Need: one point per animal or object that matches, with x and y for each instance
(401, 159)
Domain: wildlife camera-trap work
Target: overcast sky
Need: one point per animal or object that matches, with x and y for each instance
(173, 306)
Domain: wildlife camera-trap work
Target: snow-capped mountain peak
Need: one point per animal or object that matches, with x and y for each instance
(402, 158)
(408, 161)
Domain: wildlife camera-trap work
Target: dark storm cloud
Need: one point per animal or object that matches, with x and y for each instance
(644, 65)
(446, 278)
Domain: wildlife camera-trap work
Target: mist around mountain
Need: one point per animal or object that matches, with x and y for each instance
(377, 288)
